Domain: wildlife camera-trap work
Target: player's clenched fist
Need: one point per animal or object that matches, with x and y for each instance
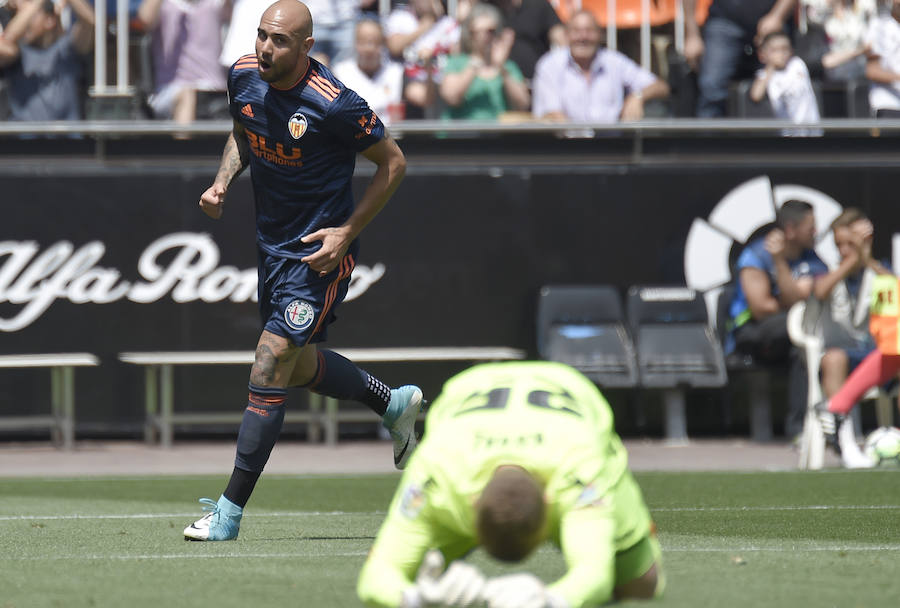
(212, 202)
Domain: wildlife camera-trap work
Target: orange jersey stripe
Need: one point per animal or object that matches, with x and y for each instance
(321, 91)
(325, 84)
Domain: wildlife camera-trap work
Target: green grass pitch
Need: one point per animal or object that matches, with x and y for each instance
(729, 539)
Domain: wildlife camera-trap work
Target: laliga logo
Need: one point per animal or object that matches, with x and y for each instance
(34, 280)
(735, 218)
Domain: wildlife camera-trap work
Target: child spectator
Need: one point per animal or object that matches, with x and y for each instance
(785, 80)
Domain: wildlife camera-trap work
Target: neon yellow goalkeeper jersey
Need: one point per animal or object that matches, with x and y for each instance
(545, 417)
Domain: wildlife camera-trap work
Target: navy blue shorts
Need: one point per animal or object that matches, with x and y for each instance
(295, 302)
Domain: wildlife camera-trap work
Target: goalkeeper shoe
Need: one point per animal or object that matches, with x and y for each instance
(222, 521)
(400, 421)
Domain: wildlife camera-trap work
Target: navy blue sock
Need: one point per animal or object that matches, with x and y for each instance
(240, 486)
(340, 378)
(260, 427)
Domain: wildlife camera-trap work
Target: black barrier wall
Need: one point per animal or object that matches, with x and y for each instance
(113, 259)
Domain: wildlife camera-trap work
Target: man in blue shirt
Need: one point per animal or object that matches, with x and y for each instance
(774, 272)
(299, 129)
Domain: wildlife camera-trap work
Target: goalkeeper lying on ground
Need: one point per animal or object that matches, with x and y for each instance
(515, 454)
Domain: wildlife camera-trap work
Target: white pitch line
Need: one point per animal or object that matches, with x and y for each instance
(778, 508)
(666, 549)
(185, 556)
(76, 516)
(190, 514)
(792, 549)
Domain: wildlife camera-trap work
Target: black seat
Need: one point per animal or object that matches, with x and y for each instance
(674, 341)
(676, 347)
(583, 326)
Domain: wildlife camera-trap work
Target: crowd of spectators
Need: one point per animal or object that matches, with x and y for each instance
(489, 60)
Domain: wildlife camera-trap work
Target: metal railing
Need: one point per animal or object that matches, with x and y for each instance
(475, 142)
(122, 87)
(668, 127)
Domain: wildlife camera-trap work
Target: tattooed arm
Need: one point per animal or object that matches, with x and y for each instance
(234, 159)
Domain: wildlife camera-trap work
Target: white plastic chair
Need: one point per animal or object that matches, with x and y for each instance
(805, 330)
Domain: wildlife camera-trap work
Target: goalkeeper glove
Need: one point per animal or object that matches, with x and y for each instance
(520, 591)
(459, 587)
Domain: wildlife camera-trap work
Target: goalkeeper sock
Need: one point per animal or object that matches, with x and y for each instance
(874, 370)
(338, 377)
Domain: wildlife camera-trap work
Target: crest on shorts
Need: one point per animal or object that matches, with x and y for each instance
(297, 125)
(299, 314)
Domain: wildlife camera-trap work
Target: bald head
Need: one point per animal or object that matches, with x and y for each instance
(292, 15)
(283, 42)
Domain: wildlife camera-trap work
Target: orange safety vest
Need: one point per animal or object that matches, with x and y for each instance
(884, 314)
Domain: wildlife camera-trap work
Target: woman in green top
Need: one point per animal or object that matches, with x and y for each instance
(482, 83)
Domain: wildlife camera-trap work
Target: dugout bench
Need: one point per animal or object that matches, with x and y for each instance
(61, 420)
(323, 415)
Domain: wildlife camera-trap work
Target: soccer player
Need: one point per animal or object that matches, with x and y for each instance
(515, 454)
(299, 129)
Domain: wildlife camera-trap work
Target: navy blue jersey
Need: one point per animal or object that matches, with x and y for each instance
(303, 144)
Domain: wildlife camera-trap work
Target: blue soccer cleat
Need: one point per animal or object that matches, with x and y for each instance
(400, 421)
(222, 522)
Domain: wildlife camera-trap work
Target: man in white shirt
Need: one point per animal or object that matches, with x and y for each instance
(374, 78)
(883, 63)
(586, 82)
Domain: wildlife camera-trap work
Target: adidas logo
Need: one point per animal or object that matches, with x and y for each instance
(247, 111)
